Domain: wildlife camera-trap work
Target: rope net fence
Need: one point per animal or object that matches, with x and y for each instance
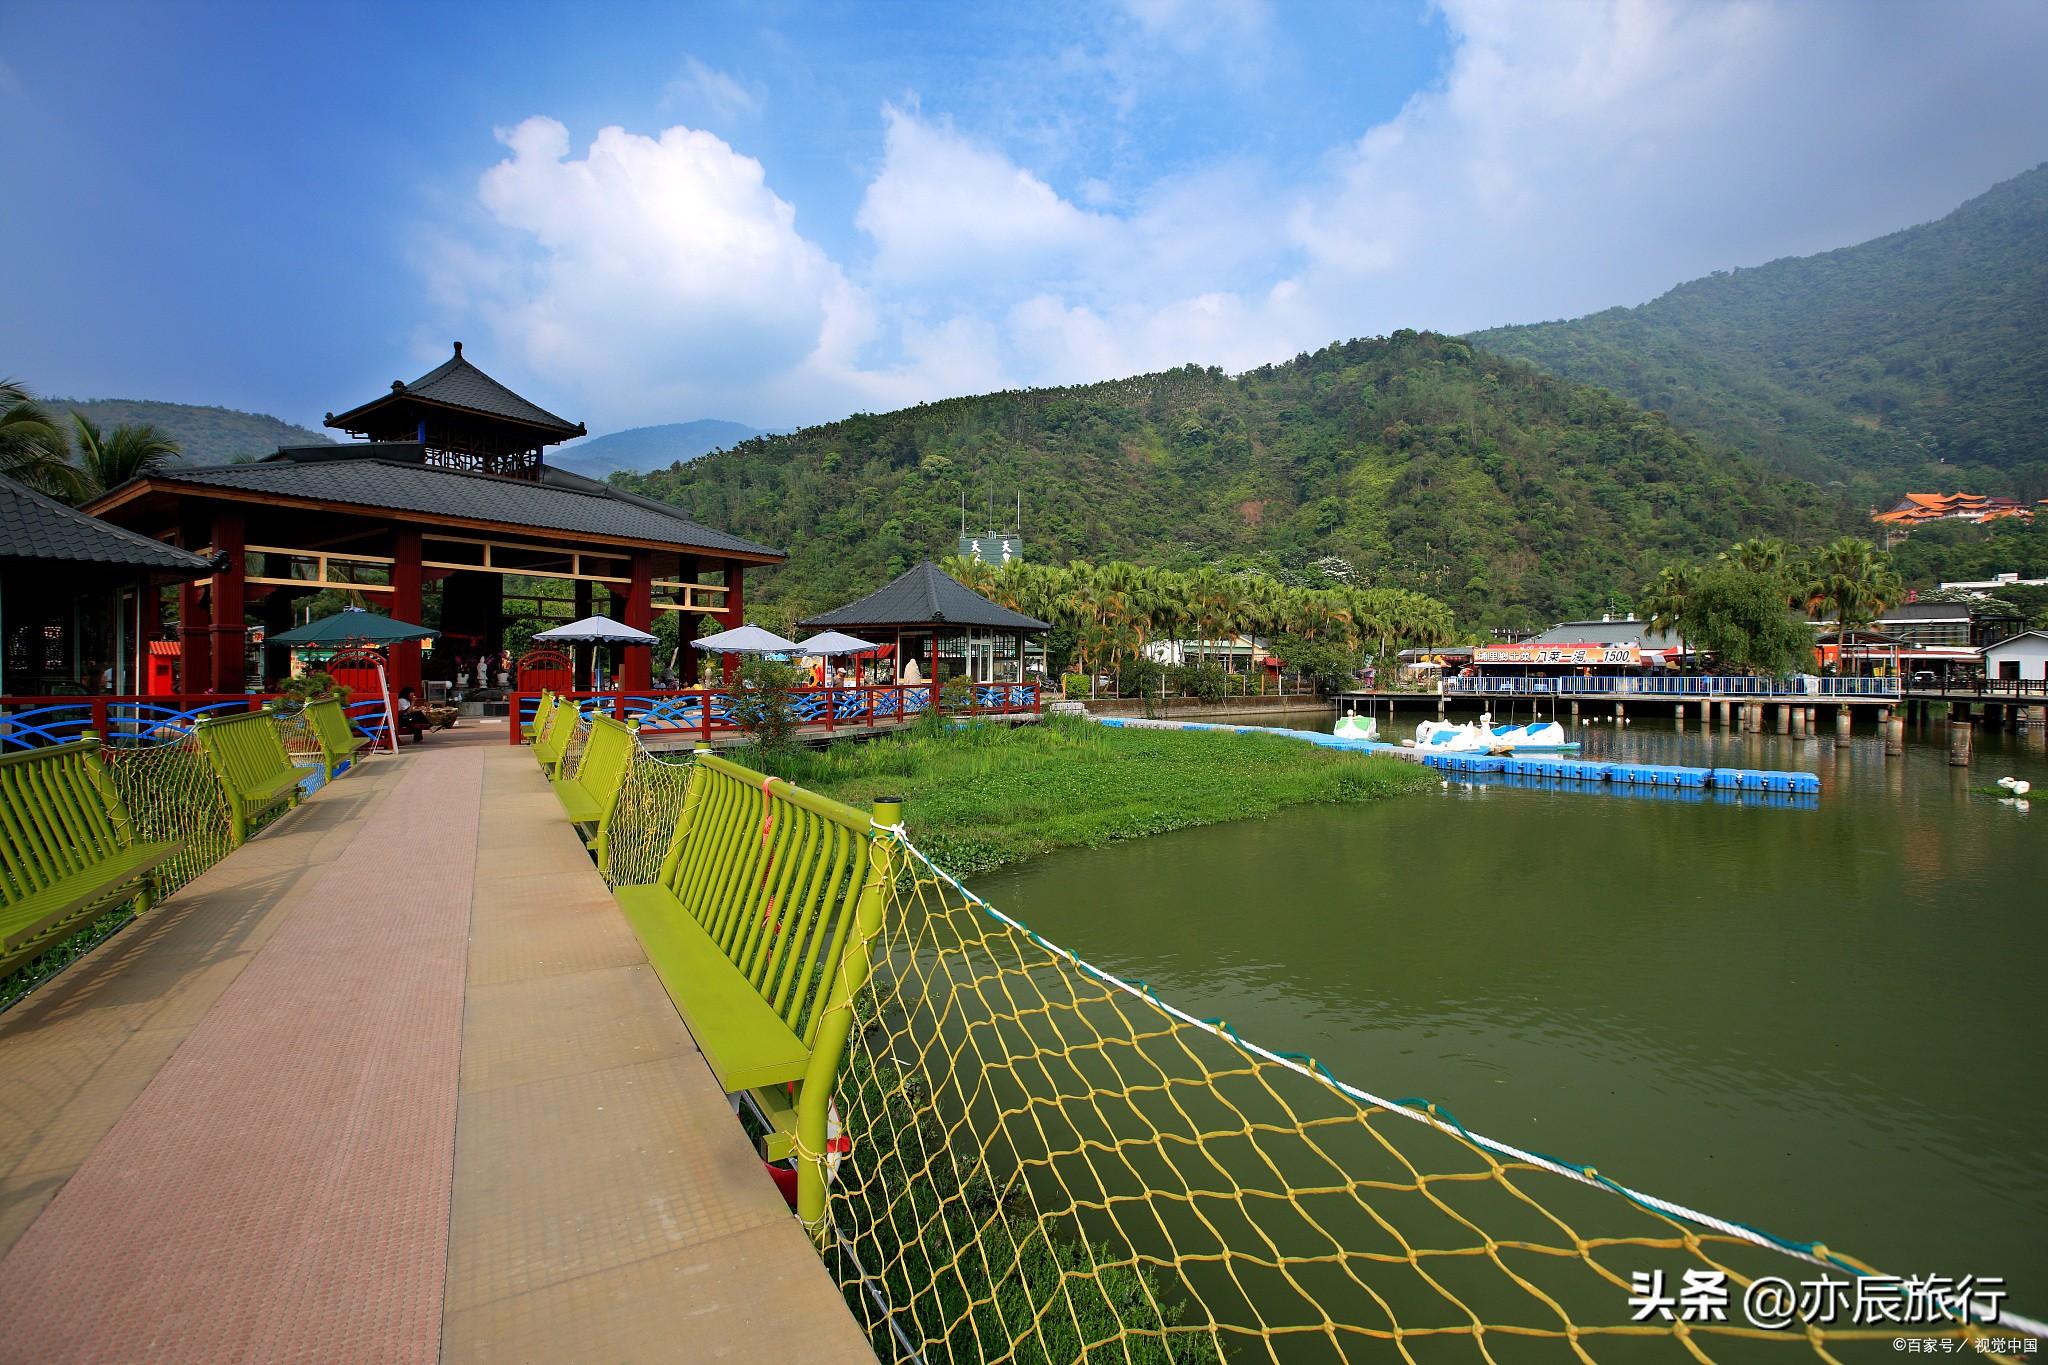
(1051, 1164)
(649, 807)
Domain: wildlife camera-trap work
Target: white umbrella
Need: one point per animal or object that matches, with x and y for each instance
(832, 642)
(747, 640)
(596, 630)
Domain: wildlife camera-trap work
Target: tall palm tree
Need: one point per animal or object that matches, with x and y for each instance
(128, 451)
(1758, 554)
(32, 446)
(1853, 580)
(1667, 599)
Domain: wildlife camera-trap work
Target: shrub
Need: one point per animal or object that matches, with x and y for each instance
(1073, 685)
(957, 692)
(761, 706)
(313, 686)
(1138, 676)
(1325, 664)
(1204, 682)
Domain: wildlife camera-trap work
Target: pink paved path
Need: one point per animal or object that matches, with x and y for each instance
(280, 1190)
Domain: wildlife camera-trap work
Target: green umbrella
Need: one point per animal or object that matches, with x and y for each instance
(353, 627)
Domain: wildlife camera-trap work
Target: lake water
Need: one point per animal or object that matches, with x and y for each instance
(1827, 1022)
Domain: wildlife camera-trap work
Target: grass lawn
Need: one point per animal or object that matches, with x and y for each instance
(979, 796)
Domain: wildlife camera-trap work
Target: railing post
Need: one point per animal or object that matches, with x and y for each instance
(704, 713)
(831, 707)
(829, 1051)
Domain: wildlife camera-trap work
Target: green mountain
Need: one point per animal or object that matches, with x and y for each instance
(1517, 497)
(208, 435)
(1916, 360)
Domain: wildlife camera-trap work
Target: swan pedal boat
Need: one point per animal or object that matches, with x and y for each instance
(1537, 737)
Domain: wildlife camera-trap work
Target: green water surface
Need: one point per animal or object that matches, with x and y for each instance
(1827, 1022)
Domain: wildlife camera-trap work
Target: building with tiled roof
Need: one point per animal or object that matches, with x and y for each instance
(60, 571)
(1915, 509)
(447, 494)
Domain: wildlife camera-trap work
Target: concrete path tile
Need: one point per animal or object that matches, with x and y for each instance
(279, 1190)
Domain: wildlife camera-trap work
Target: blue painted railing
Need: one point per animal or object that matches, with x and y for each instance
(707, 711)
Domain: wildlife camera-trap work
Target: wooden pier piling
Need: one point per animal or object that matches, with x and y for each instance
(1959, 743)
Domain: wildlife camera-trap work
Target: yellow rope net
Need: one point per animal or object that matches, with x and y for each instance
(1050, 1164)
(172, 793)
(650, 805)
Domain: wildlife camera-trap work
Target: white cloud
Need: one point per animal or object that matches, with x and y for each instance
(701, 87)
(1572, 156)
(650, 271)
(944, 207)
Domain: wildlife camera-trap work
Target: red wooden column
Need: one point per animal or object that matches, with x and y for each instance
(195, 638)
(636, 664)
(230, 628)
(735, 614)
(406, 605)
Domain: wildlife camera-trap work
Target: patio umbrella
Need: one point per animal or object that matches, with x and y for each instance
(357, 628)
(596, 630)
(747, 640)
(353, 627)
(832, 642)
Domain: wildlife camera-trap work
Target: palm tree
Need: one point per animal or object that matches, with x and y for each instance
(32, 447)
(1850, 578)
(1667, 598)
(1758, 554)
(127, 452)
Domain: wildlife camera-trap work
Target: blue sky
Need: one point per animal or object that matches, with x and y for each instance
(779, 213)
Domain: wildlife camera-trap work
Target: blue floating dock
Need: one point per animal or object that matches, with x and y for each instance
(1547, 771)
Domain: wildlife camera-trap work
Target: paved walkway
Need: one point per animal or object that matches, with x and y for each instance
(393, 1082)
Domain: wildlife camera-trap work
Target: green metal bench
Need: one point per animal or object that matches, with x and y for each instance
(542, 711)
(339, 743)
(590, 795)
(255, 770)
(759, 927)
(68, 851)
(551, 743)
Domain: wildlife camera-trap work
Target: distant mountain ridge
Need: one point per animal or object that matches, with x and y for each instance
(206, 435)
(641, 449)
(1519, 498)
(1919, 358)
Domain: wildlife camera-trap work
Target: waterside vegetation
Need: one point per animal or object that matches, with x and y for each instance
(980, 795)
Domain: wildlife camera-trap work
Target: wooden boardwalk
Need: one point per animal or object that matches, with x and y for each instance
(392, 1082)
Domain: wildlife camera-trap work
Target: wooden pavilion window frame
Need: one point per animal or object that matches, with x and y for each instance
(322, 577)
(486, 562)
(708, 598)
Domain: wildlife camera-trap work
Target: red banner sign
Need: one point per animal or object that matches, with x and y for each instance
(1571, 656)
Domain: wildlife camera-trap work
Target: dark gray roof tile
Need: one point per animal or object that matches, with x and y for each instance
(924, 596)
(561, 502)
(456, 383)
(33, 526)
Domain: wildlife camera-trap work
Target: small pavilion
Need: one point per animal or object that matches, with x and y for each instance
(934, 617)
(446, 482)
(75, 592)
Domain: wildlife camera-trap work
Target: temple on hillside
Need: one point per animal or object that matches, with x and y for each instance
(445, 490)
(1914, 509)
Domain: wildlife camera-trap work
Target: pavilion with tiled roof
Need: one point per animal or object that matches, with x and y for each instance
(926, 613)
(446, 483)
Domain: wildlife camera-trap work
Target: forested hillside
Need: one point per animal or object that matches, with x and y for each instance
(1919, 359)
(205, 435)
(1425, 464)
